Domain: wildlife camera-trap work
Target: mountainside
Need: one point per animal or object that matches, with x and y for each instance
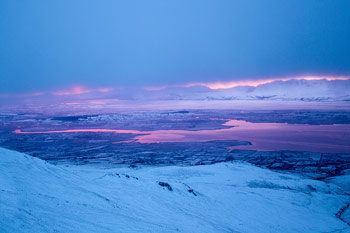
(36, 196)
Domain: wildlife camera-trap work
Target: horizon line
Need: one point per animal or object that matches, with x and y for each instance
(82, 89)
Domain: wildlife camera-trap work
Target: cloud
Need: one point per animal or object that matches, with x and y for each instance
(78, 90)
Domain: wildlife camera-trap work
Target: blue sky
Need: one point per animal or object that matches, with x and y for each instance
(46, 45)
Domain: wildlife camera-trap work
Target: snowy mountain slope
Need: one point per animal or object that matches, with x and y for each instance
(228, 197)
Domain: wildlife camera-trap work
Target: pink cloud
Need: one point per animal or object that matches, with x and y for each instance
(78, 90)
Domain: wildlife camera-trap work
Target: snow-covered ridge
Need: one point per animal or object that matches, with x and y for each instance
(36, 196)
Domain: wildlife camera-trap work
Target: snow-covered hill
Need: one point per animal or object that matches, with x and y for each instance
(228, 197)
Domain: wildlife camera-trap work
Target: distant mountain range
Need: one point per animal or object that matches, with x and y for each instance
(304, 90)
(292, 90)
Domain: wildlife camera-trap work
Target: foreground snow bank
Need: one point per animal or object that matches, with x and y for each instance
(229, 197)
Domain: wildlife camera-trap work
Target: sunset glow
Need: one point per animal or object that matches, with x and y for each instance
(247, 82)
(78, 90)
(255, 83)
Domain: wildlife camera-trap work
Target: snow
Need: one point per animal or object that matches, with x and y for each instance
(36, 196)
(342, 181)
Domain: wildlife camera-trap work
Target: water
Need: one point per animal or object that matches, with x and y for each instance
(263, 136)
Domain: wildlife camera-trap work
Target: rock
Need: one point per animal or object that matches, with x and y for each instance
(166, 185)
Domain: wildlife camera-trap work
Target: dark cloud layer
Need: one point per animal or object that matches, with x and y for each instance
(45, 45)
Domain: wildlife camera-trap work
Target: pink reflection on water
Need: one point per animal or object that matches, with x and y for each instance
(18, 131)
(295, 137)
(263, 136)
